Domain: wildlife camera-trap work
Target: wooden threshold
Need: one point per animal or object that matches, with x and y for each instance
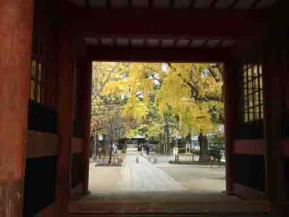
(168, 215)
(169, 207)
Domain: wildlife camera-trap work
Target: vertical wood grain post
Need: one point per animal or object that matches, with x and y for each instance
(231, 89)
(16, 23)
(65, 120)
(86, 82)
(272, 131)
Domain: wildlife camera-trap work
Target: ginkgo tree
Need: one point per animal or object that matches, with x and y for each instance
(192, 92)
(166, 99)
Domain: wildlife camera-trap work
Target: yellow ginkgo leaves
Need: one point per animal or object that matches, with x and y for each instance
(191, 93)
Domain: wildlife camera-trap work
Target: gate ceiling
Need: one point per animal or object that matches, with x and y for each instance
(142, 25)
(176, 4)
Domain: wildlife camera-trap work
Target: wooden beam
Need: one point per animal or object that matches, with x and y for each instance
(245, 44)
(285, 145)
(76, 145)
(275, 187)
(158, 54)
(40, 144)
(231, 113)
(278, 12)
(169, 23)
(65, 120)
(249, 146)
(85, 112)
(16, 18)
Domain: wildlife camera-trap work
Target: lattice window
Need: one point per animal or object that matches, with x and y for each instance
(43, 75)
(36, 69)
(252, 88)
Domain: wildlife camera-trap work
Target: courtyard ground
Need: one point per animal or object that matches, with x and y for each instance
(156, 181)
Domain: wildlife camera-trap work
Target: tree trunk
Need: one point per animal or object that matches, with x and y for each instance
(96, 146)
(110, 151)
(190, 139)
(203, 141)
(167, 134)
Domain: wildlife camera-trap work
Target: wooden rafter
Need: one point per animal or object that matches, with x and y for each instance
(171, 4)
(158, 54)
(159, 42)
(175, 43)
(114, 42)
(219, 44)
(108, 4)
(233, 4)
(151, 4)
(129, 43)
(191, 42)
(192, 4)
(214, 2)
(205, 42)
(145, 43)
(129, 2)
(255, 3)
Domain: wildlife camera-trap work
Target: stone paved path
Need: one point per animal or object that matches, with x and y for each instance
(154, 182)
(144, 176)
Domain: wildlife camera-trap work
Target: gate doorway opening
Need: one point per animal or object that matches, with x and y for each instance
(157, 131)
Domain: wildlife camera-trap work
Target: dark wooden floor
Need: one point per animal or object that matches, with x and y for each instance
(169, 208)
(170, 215)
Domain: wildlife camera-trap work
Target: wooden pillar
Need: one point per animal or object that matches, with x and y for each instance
(272, 132)
(16, 22)
(65, 121)
(231, 89)
(86, 82)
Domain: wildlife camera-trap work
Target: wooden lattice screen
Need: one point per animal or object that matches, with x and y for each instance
(252, 89)
(43, 87)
